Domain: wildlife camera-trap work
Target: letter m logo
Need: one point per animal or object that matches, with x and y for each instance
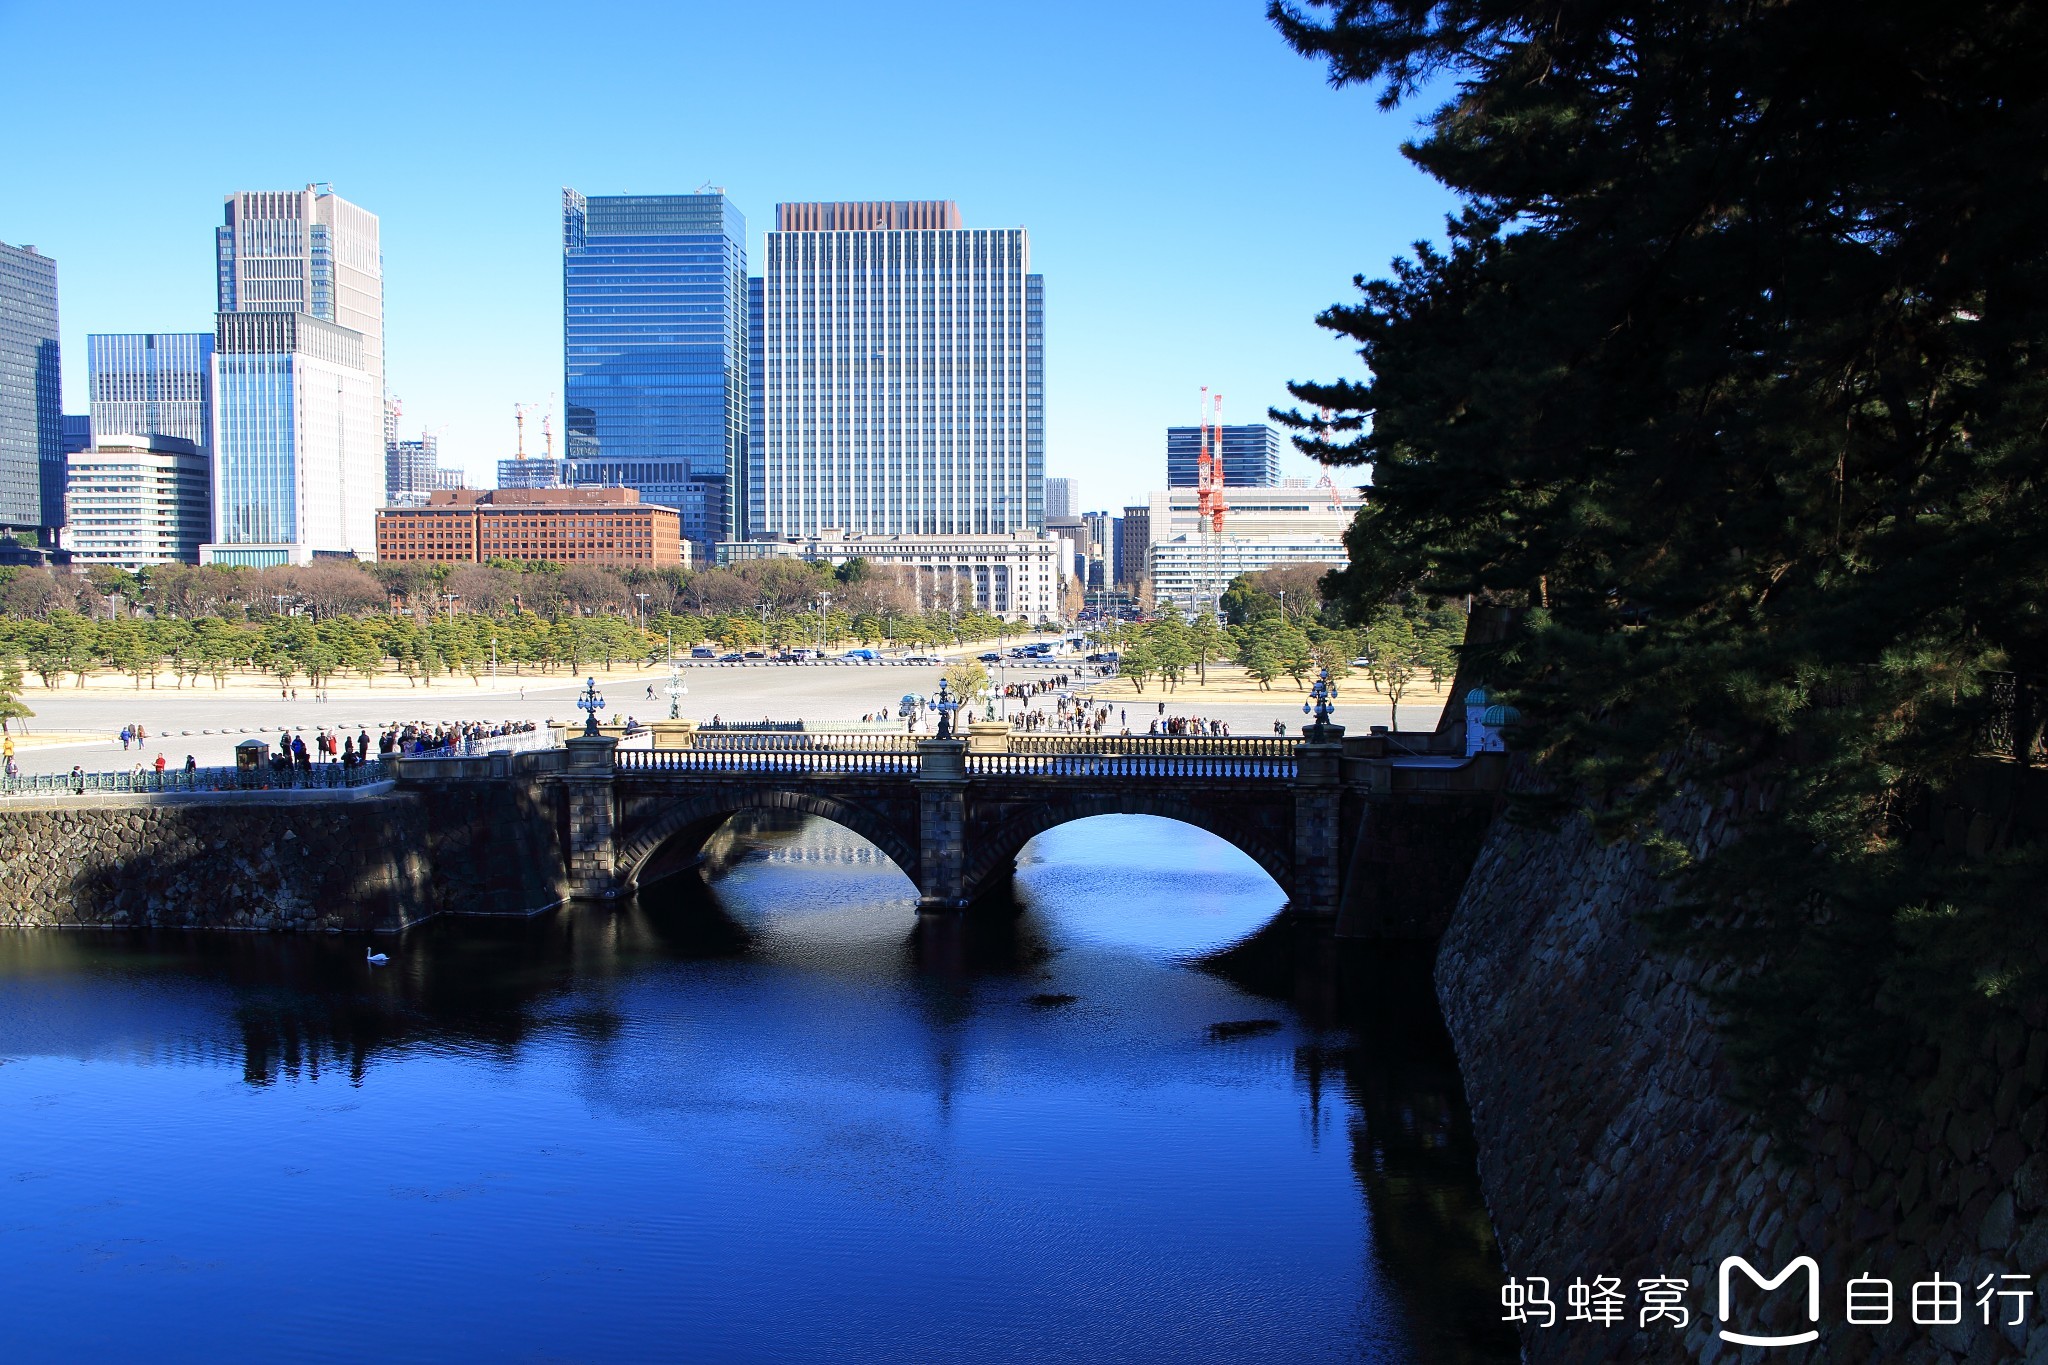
(1733, 1263)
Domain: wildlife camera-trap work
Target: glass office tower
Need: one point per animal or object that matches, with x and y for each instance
(152, 384)
(1251, 456)
(298, 380)
(31, 402)
(654, 343)
(903, 374)
(295, 411)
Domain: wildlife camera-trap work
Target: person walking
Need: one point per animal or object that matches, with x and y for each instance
(126, 733)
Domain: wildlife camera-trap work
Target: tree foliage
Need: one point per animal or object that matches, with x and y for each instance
(1728, 372)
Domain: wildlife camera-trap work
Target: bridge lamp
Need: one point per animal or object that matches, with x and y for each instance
(590, 703)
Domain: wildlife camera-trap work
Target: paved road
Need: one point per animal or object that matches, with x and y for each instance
(821, 694)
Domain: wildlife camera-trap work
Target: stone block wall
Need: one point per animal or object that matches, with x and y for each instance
(1608, 1146)
(369, 860)
(237, 862)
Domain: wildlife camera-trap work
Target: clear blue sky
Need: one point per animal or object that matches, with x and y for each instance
(1194, 191)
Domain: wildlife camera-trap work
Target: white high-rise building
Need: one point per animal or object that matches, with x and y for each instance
(902, 375)
(298, 424)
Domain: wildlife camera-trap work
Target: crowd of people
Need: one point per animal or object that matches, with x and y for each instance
(422, 738)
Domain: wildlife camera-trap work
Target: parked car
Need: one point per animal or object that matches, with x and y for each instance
(802, 656)
(863, 654)
(924, 659)
(703, 652)
(991, 658)
(757, 654)
(731, 658)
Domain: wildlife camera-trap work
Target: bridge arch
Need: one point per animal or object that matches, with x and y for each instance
(696, 817)
(993, 853)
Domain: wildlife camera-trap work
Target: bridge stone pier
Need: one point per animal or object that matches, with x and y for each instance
(1341, 824)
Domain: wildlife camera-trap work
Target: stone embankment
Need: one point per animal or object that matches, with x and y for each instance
(369, 859)
(1608, 1146)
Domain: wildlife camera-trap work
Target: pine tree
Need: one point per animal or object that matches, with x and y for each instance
(1729, 373)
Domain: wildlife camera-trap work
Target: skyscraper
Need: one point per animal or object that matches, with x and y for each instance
(1251, 456)
(747, 505)
(298, 366)
(31, 411)
(298, 466)
(654, 345)
(1062, 499)
(903, 374)
(152, 384)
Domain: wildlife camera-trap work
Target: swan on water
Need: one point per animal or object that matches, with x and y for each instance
(374, 958)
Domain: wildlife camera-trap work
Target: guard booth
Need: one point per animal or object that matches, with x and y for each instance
(252, 760)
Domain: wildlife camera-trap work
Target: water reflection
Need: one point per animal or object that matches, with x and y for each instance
(763, 1117)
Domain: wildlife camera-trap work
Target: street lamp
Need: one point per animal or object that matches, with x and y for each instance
(590, 703)
(1322, 701)
(643, 609)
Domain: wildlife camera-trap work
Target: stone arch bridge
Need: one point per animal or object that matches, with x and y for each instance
(1374, 832)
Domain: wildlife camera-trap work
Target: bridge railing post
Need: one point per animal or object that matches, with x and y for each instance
(593, 871)
(941, 824)
(1318, 827)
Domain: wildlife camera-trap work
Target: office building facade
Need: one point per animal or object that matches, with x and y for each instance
(1062, 499)
(1193, 572)
(1021, 576)
(137, 500)
(152, 384)
(1292, 509)
(902, 363)
(298, 379)
(557, 525)
(1251, 455)
(412, 472)
(1134, 546)
(297, 440)
(31, 400)
(654, 341)
(77, 433)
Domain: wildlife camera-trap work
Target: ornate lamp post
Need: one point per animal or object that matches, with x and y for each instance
(945, 707)
(676, 689)
(590, 703)
(1322, 701)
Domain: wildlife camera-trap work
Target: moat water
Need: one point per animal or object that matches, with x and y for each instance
(757, 1115)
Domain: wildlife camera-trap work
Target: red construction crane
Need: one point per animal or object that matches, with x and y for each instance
(1209, 501)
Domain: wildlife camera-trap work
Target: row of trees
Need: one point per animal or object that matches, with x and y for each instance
(1392, 654)
(66, 644)
(329, 589)
(333, 619)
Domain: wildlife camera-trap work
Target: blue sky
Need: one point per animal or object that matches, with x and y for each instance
(1194, 191)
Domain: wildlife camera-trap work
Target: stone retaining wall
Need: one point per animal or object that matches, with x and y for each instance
(372, 859)
(1597, 1089)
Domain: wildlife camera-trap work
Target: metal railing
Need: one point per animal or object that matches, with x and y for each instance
(765, 761)
(748, 726)
(320, 776)
(1247, 746)
(805, 742)
(1132, 764)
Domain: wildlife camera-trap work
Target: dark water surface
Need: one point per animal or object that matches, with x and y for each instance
(767, 1120)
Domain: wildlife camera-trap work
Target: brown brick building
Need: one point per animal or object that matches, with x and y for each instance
(564, 525)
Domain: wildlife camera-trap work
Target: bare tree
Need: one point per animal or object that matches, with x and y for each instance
(483, 588)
